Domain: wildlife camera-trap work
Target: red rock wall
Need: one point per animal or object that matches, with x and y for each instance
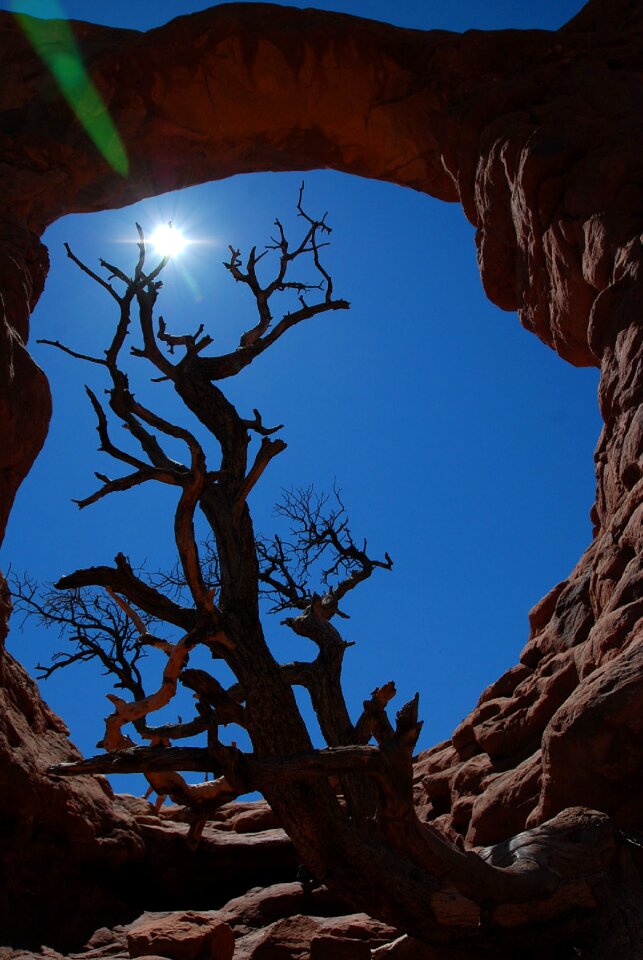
(538, 135)
(25, 401)
(59, 847)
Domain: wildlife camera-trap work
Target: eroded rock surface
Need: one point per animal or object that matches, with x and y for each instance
(60, 843)
(185, 935)
(272, 923)
(68, 843)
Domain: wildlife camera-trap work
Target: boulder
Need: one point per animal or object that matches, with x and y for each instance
(185, 935)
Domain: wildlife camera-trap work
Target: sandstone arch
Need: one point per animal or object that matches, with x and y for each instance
(538, 136)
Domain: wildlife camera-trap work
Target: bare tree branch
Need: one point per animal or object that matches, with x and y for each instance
(267, 450)
(208, 689)
(128, 712)
(128, 482)
(265, 333)
(106, 445)
(190, 342)
(258, 426)
(321, 547)
(90, 273)
(95, 628)
(123, 580)
(73, 353)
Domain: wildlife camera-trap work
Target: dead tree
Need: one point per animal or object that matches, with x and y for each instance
(565, 887)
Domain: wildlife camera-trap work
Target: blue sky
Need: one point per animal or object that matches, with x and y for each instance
(462, 444)
(419, 14)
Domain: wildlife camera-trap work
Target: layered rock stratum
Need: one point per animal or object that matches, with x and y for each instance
(538, 135)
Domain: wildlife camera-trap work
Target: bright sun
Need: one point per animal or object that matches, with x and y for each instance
(168, 241)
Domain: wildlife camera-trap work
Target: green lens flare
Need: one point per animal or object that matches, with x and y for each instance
(56, 47)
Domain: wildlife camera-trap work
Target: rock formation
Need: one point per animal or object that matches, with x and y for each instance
(538, 136)
(72, 844)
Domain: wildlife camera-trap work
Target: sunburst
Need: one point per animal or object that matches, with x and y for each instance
(168, 241)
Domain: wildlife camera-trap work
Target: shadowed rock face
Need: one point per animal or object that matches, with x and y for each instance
(72, 859)
(538, 136)
(53, 838)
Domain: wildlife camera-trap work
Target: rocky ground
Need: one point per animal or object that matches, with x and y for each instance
(289, 919)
